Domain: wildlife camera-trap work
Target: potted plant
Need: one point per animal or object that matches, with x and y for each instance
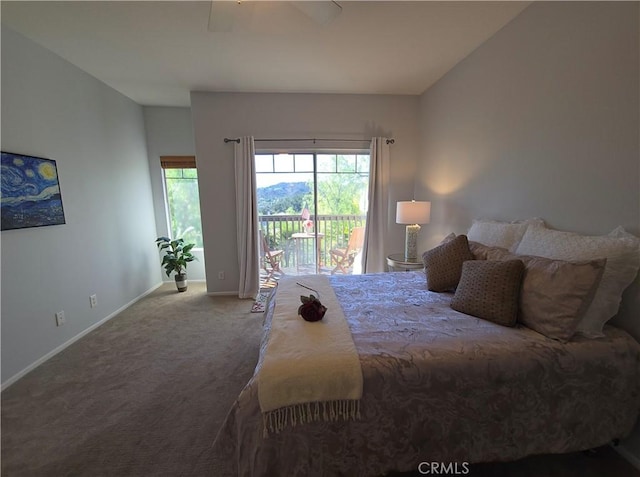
(176, 256)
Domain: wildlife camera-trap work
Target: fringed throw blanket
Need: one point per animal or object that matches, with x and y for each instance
(310, 371)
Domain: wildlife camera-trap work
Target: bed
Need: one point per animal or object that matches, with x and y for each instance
(442, 386)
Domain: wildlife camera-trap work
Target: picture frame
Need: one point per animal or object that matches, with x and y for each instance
(30, 192)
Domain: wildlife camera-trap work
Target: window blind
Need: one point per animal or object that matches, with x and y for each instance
(178, 162)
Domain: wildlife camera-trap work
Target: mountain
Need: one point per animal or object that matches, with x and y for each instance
(283, 198)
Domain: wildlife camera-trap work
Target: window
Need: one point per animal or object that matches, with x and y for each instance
(286, 183)
(309, 205)
(182, 198)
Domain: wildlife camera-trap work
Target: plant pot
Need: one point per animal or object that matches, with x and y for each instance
(181, 281)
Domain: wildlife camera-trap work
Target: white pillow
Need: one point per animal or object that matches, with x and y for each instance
(494, 233)
(620, 248)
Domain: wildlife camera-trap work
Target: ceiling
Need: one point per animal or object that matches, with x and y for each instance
(156, 52)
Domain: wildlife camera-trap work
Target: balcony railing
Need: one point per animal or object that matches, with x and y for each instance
(333, 232)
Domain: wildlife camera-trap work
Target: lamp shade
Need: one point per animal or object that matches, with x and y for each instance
(413, 212)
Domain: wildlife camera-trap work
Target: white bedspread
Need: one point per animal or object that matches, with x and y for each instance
(311, 370)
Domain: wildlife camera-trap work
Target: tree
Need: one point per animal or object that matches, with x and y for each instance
(341, 194)
(184, 205)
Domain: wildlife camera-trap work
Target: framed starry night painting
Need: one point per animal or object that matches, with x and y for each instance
(30, 192)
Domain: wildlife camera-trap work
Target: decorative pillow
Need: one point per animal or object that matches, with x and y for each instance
(500, 234)
(448, 238)
(555, 294)
(622, 251)
(443, 264)
(480, 251)
(490, 290)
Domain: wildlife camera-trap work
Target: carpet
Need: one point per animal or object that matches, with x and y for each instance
(143, 395)
(261, 301)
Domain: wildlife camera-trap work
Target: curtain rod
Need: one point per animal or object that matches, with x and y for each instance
(226, 140)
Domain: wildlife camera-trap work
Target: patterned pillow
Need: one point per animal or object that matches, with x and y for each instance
(490, 290)
(480, 251)
(555, 293)
(622, 251)
(448, 238)
(500, 234)
(443, 264)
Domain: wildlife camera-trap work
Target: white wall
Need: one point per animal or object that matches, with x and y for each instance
(52, 109)
(541, 120)
(169, 133)
(220, 115)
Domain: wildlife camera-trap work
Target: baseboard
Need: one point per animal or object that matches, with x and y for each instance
(69, 342)
(629, 457)
(223, 293)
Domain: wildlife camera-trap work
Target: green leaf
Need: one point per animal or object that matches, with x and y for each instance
(176, 254)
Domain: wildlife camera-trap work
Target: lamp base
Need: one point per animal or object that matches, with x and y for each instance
(411, 243)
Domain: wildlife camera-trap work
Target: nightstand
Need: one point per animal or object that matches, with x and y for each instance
(397, 263)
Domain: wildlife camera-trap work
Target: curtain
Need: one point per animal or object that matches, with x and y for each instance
(247, 218)
(373, 251)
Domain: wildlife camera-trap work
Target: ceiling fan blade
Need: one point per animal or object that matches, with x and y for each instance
(227, 16)
(321, 12)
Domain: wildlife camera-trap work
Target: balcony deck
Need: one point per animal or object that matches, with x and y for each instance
(301, 248)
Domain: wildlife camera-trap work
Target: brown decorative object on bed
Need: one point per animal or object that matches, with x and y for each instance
(443, 264)
(480, 251)
(490, 289)
(311, 309)
(555, 293)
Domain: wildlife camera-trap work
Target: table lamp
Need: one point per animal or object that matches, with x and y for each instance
(412, 213)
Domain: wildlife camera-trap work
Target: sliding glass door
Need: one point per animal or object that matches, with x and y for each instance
(312, 210)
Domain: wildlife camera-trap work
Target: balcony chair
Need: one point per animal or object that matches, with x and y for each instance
(269, 259)
(344, 257)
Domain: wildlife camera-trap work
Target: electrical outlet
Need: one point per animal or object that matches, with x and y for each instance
(93, 301)
(220, 275)
(60, 318)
